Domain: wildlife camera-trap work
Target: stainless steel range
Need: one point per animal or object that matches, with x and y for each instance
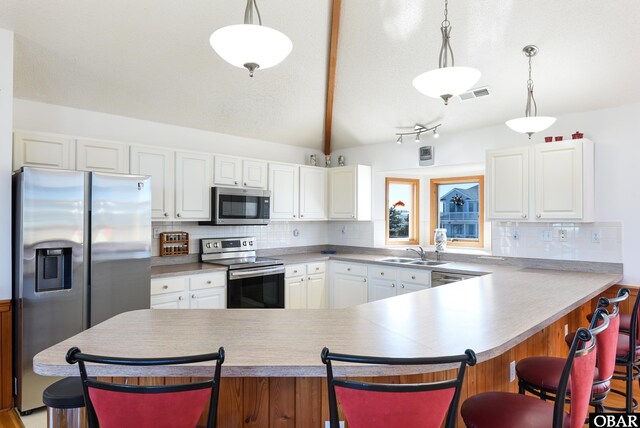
(252, 282)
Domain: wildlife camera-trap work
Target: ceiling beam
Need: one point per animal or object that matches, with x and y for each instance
(331, 77)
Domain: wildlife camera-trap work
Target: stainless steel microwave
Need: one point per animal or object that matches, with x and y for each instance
(233, 206)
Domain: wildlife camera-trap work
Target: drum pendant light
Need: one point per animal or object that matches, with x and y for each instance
(530, 124)
(448, 80)
(251, 46)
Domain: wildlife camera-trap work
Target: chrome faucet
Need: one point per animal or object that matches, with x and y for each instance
(437, 255)
(422, 253)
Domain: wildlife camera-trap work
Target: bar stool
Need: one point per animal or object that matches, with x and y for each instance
(65, 404)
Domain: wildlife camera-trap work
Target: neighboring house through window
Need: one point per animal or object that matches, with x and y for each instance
(402, 211)
(457, 205)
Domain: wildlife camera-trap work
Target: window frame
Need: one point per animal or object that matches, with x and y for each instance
(414, 216)
(434, 209)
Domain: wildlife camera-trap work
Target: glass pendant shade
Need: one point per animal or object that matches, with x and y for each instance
(530, 125)
(446, 82)
(245, 44)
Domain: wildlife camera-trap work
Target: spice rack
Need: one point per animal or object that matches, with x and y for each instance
(174, 243)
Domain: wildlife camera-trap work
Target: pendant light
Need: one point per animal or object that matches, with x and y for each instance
(251, 46)
(530, 124)
(448, 80)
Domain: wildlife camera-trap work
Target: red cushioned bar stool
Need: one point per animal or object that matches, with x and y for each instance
(627, 341)
(540, 375)
(509, 410)
(368, 405)
(111, 405)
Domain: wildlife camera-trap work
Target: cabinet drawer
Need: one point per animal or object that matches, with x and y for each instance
(313, 268)
(170, 301)
(294, 270)
(210, 280)
(350, 269)
(382, 272)
(168, 285)
(415, 275)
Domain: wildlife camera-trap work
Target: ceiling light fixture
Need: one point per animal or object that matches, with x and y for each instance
(251, 46)
(446, 81)
(530, 124)
(418, 130)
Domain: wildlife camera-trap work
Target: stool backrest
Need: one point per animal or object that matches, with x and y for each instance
(367, 404)
(112, 405)
(580, 368)
(608, 339)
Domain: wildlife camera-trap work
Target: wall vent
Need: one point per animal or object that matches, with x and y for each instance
(475, 93)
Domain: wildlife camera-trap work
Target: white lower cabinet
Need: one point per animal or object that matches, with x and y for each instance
(305, 286)
(410, 280)
(201, 291)
(382, 282)
(348, 284)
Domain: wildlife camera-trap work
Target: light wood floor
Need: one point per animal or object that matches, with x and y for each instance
(10, 419)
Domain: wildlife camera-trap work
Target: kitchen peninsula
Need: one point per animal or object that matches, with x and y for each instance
(273, 373)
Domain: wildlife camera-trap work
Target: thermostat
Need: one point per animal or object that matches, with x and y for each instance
(426, 156)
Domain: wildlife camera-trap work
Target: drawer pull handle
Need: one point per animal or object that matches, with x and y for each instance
(193, 296)
(402, 285)
(317, 268)
(381, 273)
(413, 277)
(165, 287)
(348, 269)
(209, 282)
(364, 279)
(181, 298)
(393, 286)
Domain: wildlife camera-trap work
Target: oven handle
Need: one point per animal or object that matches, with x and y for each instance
(251, 273)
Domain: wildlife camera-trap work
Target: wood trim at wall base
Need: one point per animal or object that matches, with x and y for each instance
(6, 365)
(303, 402)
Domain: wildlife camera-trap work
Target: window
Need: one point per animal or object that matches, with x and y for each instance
(457, 205)
(402, 209)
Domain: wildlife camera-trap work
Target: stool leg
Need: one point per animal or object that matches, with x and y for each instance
(521, 386)
(629, 388)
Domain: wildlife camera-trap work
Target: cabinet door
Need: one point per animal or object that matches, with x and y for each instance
(160, 165)
(193, 186)
(342, 193)
(170, 301)
(381, 289)
(558, 181)
(317, 292)
(102, 156)
(507, 174)
(227, 171)
(313, 193)
(408, 287)
(43, 150)
(295, 293)
(283, 183)
(213, 298)
(254, 174)
(348, 290)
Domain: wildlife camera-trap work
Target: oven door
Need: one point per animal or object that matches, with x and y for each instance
(256, 288)
(240, 206)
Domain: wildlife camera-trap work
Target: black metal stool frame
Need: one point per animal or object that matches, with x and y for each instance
(74, 355)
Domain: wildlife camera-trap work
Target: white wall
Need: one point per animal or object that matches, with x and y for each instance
(617, 172)
(6, 119)
(35, 116)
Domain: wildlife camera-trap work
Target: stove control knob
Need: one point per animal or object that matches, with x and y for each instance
(244, 243)
(251, 243)
(208, 245)
(215, 245)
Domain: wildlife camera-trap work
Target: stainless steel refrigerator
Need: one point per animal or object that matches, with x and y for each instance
(82, 248)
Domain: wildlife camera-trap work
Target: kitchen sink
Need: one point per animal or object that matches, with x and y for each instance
(398, 260)
(426, 263)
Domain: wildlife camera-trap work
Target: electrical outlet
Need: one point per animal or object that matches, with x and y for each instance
(562, 235)
(516, 234)
(546, 235)
(512, 371)
(327, 425)
(595, 237)
(566, 329)
(156, 232)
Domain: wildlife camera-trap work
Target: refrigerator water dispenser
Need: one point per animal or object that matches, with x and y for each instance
(53, 269)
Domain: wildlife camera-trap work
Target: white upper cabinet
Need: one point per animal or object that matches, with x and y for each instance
(350, 193)
(508, 183)
(160, 165)
(236, 172)
(43, 150)
(254, 174)
(543, 182)
(313, 193)
(193, 186)
(564, 181)
(102, 156)
(227, 171)
(284, 184)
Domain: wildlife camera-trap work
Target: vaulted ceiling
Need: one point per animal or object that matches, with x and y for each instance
(151, 59)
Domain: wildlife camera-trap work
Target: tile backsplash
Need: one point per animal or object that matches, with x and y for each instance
(600, 241)
(276, 235)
